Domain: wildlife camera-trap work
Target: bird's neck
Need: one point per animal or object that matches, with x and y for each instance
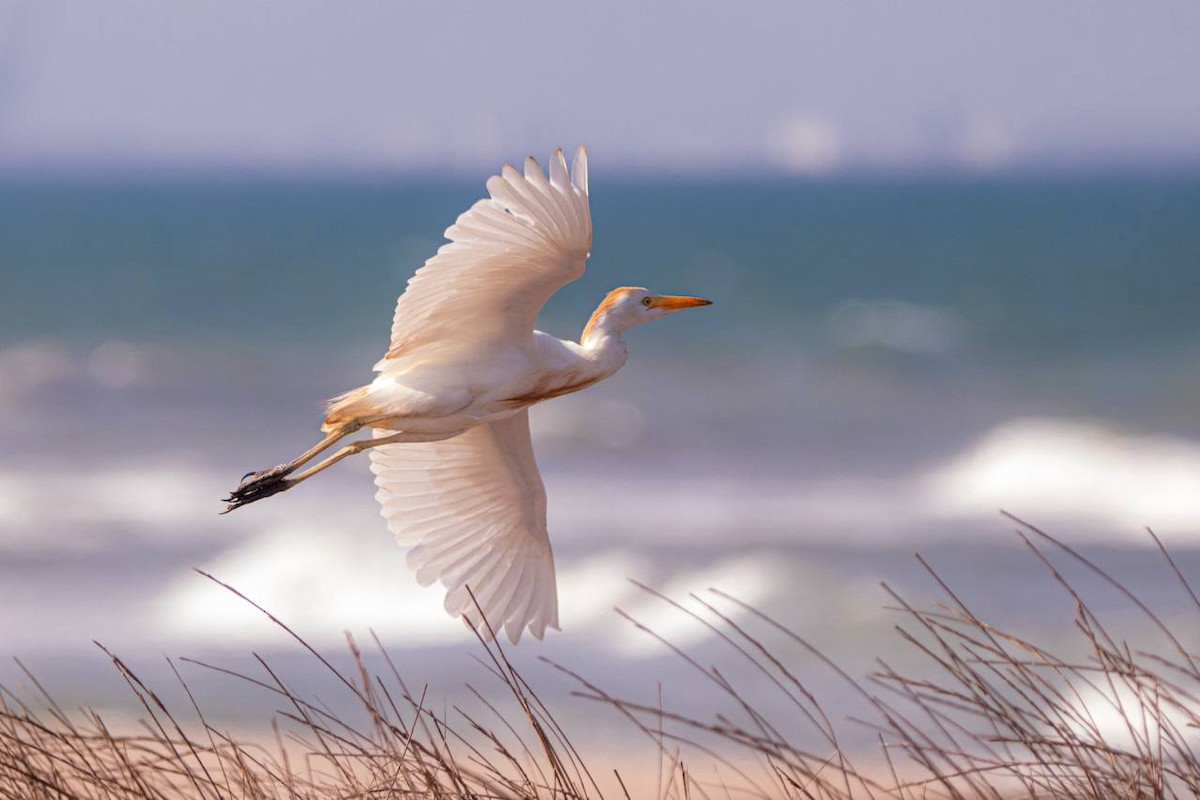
(604, 346)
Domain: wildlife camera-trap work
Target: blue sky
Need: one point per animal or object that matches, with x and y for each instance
(295, 85)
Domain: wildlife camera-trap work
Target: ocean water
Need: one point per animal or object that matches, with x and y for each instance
(886, 365)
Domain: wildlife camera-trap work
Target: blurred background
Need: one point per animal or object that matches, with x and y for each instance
(954, 251)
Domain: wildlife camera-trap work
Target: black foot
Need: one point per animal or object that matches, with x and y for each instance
(257, 485)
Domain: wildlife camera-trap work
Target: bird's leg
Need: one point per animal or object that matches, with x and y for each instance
(251, 491)
(253, 480)
(264, 483)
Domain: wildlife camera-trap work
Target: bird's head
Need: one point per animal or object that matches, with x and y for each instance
(630, 306)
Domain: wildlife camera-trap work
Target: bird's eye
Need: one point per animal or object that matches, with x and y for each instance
(646, 301)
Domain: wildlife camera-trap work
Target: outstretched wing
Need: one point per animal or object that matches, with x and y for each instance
(506, 255)
(473, 511)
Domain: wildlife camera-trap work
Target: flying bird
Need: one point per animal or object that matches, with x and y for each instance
(448, 412)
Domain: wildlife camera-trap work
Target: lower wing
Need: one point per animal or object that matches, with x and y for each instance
(473, 511)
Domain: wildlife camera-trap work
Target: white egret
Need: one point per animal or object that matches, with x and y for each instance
(449, 408)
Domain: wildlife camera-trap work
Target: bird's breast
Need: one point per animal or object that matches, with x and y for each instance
(551, 386)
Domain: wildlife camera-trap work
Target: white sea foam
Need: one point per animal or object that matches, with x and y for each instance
(710, 508)
(1109, 710)
(1089, 481)
(590, 587)
(160, 497)
(1086, 480)
(323, 561)
(1059, 471)
(324, 583)
(321, 557)
(90, 504)
(749, 578)
(320, 581)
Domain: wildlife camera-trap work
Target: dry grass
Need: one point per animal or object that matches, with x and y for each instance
(991, 715)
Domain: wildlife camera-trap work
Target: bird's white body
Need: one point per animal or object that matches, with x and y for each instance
(448, 396)
(448, 410)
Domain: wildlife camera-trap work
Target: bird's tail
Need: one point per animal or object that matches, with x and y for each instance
(343, 409)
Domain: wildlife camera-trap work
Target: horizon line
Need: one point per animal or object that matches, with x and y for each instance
(717, 170)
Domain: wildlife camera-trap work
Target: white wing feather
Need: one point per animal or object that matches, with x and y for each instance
(473, 511)
(506, 255)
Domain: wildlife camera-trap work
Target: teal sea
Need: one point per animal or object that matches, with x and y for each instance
(1031, 266)
(885, 366)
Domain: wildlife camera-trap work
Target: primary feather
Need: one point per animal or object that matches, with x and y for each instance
(506, 255)
(473, 511)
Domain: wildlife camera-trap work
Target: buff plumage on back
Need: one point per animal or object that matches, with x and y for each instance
(472, 508)
(506, 255)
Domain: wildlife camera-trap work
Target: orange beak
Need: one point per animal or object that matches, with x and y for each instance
(675, 303)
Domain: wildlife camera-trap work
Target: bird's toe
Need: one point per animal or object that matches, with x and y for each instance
(251, 479)
(244, 495)
(256, 486)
